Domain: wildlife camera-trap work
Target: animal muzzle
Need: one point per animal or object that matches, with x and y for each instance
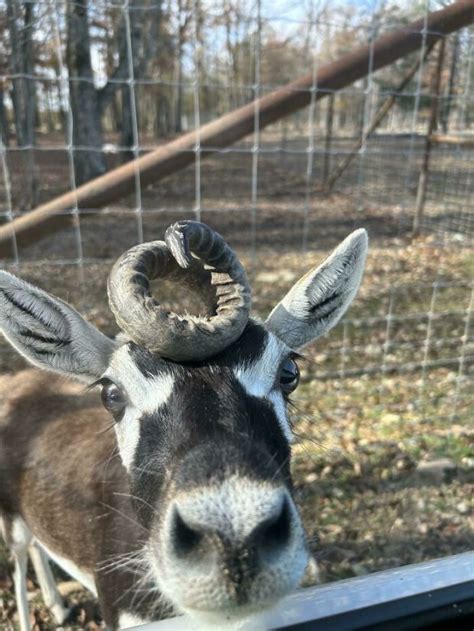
(230, 549)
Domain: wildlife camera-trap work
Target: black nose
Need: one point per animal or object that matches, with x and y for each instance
(273, 534)
(185, 539)
(195, 536)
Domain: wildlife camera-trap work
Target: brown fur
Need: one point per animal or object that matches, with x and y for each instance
(49, 481)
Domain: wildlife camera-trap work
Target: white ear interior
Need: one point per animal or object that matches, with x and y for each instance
(321, 297)
(50, 333)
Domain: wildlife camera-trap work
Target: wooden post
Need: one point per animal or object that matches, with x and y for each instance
(424, 171)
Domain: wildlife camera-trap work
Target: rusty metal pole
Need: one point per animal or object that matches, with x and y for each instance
(179, 153)
(425, 167)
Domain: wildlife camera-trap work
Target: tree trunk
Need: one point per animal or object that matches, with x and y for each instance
(446, 109)
(4, 127)
(23, 93)
(130, 56)
(127, 135)
(50, 122)
(425, 167)
(22, 64)
(59, 96)
(200, 61)
(16, 68)
(115, 109)
(89, 161)
(178, 114)
(28, 66)
(231, 60)
(328, 139)
(137, 42)
(179, 73)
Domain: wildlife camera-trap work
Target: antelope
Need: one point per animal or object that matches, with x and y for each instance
(174, 493)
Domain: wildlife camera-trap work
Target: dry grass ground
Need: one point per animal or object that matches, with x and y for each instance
(360, 437)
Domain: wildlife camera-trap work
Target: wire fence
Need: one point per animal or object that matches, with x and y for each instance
(405, 352)
(227, 54)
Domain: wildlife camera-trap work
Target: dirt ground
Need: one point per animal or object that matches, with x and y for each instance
(386, 392)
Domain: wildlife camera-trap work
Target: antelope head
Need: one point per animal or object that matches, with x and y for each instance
(199, 405)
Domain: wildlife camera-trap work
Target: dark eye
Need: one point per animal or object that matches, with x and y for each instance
(113, 398)
(289, 376)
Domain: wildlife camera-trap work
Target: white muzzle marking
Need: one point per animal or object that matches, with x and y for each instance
(230, 549)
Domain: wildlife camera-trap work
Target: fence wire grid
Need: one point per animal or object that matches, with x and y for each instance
(399, 367)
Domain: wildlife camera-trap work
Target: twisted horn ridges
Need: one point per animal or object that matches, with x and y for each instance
(192, 253)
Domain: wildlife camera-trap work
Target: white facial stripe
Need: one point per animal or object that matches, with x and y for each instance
(276, 398)
(145, 395)
(128, 435)
(258, 378)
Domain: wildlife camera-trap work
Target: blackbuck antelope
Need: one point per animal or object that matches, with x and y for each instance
(187, 504)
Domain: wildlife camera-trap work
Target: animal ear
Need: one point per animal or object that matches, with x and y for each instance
(319, 299)
(50, 333)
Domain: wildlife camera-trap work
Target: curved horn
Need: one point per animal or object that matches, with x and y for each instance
(166, 333)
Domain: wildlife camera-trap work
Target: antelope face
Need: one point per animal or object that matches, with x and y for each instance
(207, 446)
(200, 408)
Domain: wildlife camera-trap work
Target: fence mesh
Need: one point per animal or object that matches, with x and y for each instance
(397, 371)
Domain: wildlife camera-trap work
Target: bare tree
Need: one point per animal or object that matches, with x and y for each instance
(89, 160)
(184, 15)
(137, 42)
(20, 26)
(445, 110)
(4, 123)
(4, 127)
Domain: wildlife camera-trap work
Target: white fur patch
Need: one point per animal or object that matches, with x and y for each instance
(129, 620)
(258, 379)
(21, 535)
(276, 399)
(72, 569)
(145, 395)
